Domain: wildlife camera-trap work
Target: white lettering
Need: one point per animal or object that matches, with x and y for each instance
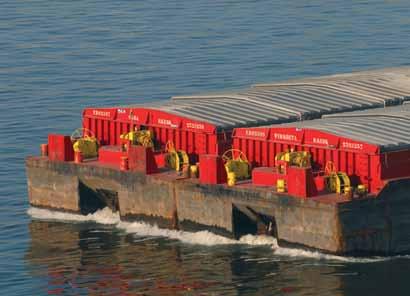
(133, 117)
(102, 113)
(350, 145)
(164, 121)
(286, 137)
(321, 141)
(255, 133)
(195, 125)
(121, 111)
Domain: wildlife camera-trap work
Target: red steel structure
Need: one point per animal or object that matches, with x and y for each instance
(369, 146)
(203, 124)
(60, 148)
(192, 136)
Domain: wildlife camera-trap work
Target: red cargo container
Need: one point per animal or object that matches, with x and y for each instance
(367, 146)
(202, 124)
(356, 161)
(194, 137)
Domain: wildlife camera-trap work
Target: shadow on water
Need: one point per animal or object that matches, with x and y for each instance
(93, 259)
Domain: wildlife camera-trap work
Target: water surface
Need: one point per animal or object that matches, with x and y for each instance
(57, 57)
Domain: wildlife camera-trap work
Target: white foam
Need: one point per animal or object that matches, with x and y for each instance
(106, 216)
(299, 253)
(259, 240)
(201, 237)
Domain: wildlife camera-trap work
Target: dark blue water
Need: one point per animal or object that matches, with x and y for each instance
(57, 57)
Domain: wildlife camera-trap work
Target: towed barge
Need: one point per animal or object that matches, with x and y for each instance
(322, 163)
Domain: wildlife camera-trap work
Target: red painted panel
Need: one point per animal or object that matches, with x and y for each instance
(212, 144)
(118, 131)
(184, 141)
(112, 138)
(87, 123)
(320, 183)
(162, 119)
(271, 155)
(251, 153)
(320, 139)
(60, 148)
(196, 126)
(111, 155)
(265, 176)
(106, 133)
(395, 164)
(376, 169)
(211, 169)
(257, 151)
(133, 115)
(160, 159)
(141, 159)
(252, 133)
(102, 113)
(357, 146)
(191, 143)
(286, 135)
(194, 137)
(300, 182)
(99, 131)
(264, 159)
(350, 156)
(93, 127)
(200, 143)
(177, 141)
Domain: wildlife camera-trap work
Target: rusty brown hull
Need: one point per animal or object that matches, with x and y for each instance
(366, 226)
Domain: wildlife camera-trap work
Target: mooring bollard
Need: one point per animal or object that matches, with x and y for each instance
(124, 163)
(44, 149)
(78, 157)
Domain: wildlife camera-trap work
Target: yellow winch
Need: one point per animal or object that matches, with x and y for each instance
(236, 166)
(176, 159)
(88, 146)
(338, 182)
(295, 158)
(143, 137)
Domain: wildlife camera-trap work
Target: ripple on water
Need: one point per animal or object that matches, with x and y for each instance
(58, 57)
(204, 238)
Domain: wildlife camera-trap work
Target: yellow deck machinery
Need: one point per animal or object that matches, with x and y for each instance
(236, 165)
(176, 159)
(335, 181)
(85, 142)
(293, 158)
(139, 137)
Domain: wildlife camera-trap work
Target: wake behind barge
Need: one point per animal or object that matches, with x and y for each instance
(322, 163)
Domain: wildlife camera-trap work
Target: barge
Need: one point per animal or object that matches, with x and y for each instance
(322, 163)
